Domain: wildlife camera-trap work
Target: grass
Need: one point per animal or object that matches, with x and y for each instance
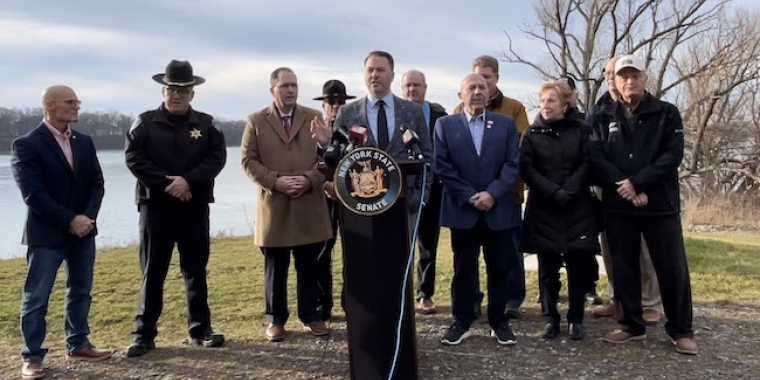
(725, 268)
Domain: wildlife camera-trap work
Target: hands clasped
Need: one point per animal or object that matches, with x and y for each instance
(628, 192)
(482, 201)
(179, 188)
(81, 226)
(292, 186)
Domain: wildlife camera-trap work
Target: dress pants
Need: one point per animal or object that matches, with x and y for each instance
(549, 265)
(664, 237)
(161, 227)
(324, 265)
(515, 287)
(276, 264)
(427, 241)
(592, 268)
(516, 276)
(500, 256)
(650, 288)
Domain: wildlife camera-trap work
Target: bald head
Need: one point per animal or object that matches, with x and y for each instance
(60, 106)
(609, 76)
(414, 86)
(473, 91)
(471, 78)
(57, 92)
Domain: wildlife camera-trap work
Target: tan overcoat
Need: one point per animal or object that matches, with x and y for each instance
(268, 152)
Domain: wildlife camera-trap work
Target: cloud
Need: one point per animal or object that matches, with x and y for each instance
(107, 51)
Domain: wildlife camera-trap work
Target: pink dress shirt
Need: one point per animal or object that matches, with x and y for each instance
(64, 141)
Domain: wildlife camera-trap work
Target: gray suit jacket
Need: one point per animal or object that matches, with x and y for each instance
(407, 114)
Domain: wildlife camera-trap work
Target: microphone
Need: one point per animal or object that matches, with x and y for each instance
(412, 142)
(357, 135)
(338, 147)
(340, 135)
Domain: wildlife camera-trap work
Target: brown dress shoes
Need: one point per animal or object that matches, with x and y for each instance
(91, 354)
(32, 370)
(275, 332)
(427, 306)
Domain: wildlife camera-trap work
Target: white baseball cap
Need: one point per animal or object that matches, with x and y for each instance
(629, 61)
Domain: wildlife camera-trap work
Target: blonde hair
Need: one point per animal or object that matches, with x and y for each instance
(562, 88)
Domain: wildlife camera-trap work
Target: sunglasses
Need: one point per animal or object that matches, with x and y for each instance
(172, 90)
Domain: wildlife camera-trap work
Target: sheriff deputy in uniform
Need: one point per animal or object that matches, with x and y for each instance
(175, 152)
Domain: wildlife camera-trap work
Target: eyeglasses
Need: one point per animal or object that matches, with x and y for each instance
(178, 90)
(71, 103)
(334, 101)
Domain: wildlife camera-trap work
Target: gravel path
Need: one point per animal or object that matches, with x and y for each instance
(728, 338)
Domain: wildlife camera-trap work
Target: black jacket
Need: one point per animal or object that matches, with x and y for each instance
(647, 152)
(156, 148)
(53, 191)
(604, 100)
(436, 111)
(559, 214)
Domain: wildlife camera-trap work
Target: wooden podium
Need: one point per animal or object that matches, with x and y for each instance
(375, 256)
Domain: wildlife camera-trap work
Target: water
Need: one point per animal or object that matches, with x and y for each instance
(232, 214)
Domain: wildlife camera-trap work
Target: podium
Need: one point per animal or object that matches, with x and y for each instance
(375, 256)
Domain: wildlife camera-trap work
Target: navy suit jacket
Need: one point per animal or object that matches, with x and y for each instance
(408, 115)
(53, 192)
(464, 173)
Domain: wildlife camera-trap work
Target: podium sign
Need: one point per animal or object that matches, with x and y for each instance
(368, 181)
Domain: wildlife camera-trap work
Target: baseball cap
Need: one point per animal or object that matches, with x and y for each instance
(569, 80)
(629, 61)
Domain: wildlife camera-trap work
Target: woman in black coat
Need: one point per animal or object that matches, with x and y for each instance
(559, 214)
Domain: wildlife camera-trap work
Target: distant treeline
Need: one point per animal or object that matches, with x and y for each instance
(106, 128)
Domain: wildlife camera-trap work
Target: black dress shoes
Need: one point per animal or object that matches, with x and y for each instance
(576, 331)
(140, 347)
(551, 330)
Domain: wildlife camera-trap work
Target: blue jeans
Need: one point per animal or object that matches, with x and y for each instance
(42, 266)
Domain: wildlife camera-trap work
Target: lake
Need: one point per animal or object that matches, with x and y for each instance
(232, 214)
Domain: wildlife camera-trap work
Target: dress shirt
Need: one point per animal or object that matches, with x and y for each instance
(476, 125)
(63, 140)
(426, 112)
(373, 109)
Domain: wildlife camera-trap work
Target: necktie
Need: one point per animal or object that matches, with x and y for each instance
(382, 126)
(286, 124)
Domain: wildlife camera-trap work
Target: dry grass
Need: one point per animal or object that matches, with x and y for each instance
(732, 212)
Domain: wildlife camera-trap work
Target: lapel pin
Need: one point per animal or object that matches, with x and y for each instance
(489, 123)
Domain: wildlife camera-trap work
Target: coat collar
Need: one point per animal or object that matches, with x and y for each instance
(162, 116)
(298, 118)
(649, 104)
(49, 139)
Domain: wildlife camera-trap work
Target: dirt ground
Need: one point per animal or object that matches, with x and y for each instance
(728, 338)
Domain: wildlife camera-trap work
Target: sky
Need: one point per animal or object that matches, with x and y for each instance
(107, 51)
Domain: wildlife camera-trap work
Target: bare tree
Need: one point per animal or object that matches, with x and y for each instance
(698, 56)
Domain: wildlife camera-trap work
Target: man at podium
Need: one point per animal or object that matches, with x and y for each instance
(387, 118)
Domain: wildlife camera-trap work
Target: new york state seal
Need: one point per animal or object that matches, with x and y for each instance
(368, 181)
